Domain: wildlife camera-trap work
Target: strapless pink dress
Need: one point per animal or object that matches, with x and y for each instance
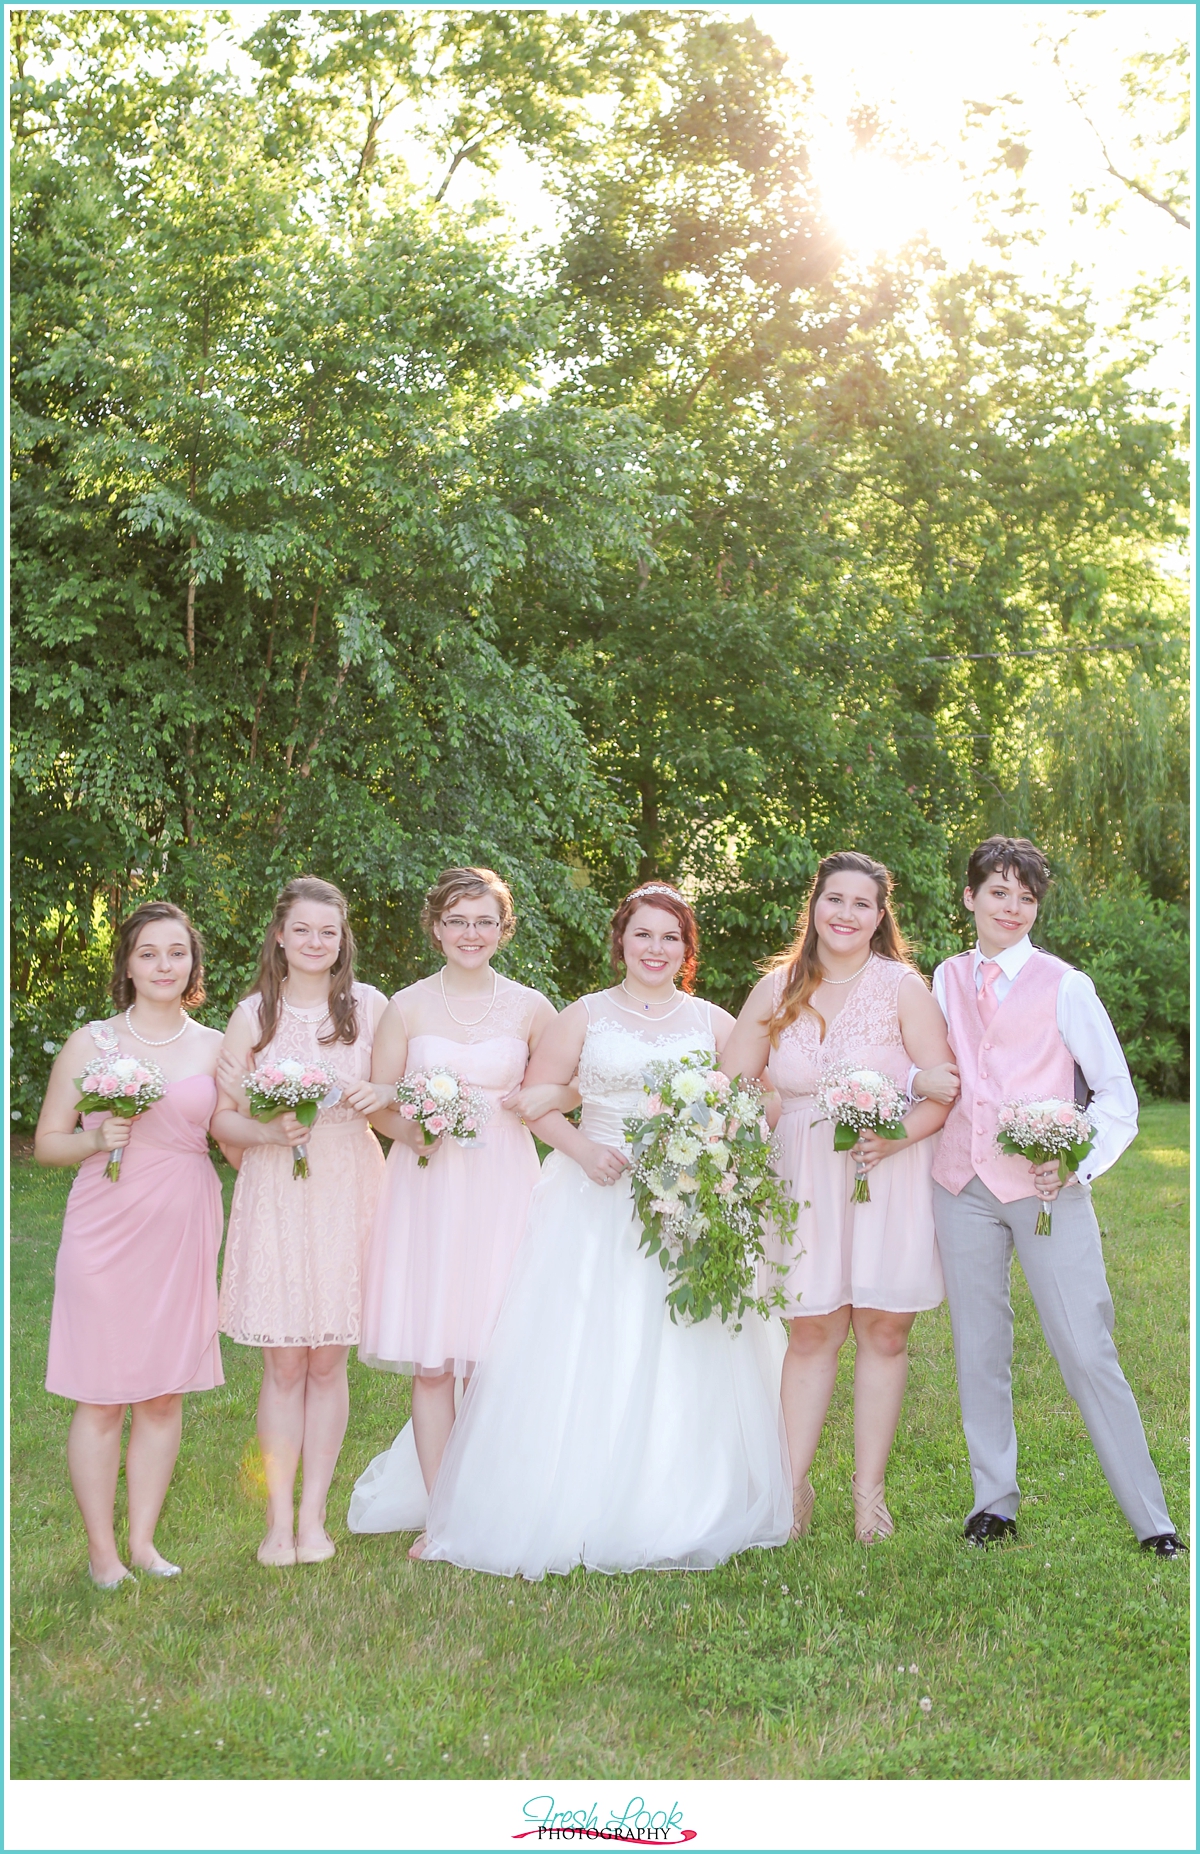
(135, 1283)
(882, 1254)
(445, 1237)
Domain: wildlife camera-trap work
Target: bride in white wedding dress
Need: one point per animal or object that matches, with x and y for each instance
(595, 1431)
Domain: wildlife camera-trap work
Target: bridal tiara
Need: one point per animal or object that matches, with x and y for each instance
(656, 888)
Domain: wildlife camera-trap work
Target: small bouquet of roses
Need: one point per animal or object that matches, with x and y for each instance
(442, 1102)
(860, 1101)
(705, 1187)
(290, 1087)
(120, 1085)
(1044, 1130)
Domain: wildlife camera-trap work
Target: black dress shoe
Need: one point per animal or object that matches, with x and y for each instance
(1165, 1545)
(985, 1528)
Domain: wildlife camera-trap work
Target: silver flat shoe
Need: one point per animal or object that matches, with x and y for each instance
(126, 1577)
(163, 1570)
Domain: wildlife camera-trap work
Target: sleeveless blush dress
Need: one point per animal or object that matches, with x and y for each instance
(294, 1252)
(882, 1254)
(135, 1282)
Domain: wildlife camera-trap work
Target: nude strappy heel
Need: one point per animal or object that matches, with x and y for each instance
(802, 1509)
(871, 1518)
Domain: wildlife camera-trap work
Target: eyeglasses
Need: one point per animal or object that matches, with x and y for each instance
(457, 924)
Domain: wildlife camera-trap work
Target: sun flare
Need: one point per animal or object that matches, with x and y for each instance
(875, 204)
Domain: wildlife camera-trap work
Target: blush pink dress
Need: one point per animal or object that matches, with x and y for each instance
(294, 1252)
(882, 1254)
(446, 1235)
(135, 1283)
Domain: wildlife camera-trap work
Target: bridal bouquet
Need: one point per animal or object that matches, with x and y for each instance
(119, 1085)
(860, 1101)
(1044, 1130)
(704, 1187)
(290, 1087)
(442, 1102)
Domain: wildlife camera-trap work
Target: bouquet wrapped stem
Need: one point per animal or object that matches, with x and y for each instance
(298, 1088)
(120, 1085)
(1043, 1130)
(860, 1101)
(441, 1102)
(705, 1187)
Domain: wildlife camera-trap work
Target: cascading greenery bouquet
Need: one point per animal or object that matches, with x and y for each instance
(705, 1188)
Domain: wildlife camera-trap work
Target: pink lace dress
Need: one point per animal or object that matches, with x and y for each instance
(882, 1254)
(446, 1235)
(135, 1283)
(294, 1252)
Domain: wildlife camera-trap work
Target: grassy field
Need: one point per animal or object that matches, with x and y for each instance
(1064, 1655)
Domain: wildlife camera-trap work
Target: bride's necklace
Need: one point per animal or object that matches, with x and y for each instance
(300, 1016)
(853, 975)
(154, 1042)
(645, 1007)
(465, 1023)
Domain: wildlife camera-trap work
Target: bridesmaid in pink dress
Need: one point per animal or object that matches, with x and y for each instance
(292, 1281)
(845, 994)
(446, 1235)
(135, 1284)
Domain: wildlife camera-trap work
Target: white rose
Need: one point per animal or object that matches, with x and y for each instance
(292, 1070)
(124, 1067)
(443, 1087)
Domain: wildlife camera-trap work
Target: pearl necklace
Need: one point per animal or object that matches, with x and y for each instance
(658, 1020)
(463, 1022)
(853, 975)
(154, 1042)
(299, 1015)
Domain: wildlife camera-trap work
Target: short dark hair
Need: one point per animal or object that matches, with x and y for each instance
(121, 988)
(1003, 856)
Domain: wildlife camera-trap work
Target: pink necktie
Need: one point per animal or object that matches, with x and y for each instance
(986, 997)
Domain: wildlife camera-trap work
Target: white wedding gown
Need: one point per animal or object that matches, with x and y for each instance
(595, 1431)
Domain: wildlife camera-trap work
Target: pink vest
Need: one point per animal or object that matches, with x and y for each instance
(1019, 1056)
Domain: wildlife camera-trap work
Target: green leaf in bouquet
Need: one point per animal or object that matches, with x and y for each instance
(844, 1137)
(306, 1113)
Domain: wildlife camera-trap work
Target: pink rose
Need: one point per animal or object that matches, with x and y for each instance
(428, 1107)
(129, 1090)
(408, 1110)
(438, 1123)
(468, 1126)
(763, 1128)
(863, 1100)
(734, 1128)
(838, 1098)
(1065, 1117)
(107, 1084)
(719, 1081)
(141, 1075)
(654, 1106)
(726, 1185)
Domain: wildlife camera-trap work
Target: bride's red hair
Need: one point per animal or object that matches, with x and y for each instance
(657, 895)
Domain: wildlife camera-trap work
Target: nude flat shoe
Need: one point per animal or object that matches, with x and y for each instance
(803, 1498)
(316, 1554)
(278, 1557)
(416, 1550)
(872, 1520)
(126, 1577)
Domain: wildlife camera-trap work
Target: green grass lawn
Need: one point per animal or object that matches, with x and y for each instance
(1063, 1655)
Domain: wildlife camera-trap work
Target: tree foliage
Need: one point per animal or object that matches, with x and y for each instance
(348, 536)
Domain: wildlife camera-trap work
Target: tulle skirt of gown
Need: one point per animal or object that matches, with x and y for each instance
(882, 1254)
(595, 1430)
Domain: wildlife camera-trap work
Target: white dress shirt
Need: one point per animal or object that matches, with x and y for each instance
(1086, 1028)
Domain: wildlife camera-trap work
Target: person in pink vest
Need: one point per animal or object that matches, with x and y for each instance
(1023, 1024)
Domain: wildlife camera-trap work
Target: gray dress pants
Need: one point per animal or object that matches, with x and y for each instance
(976, 1236)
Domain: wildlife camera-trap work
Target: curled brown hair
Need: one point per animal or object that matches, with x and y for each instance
(1008, 856)
(273, 967)
(456, 885)
(121, 986)
(657, 895)
(800, 961)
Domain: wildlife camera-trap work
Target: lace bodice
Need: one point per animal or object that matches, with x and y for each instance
(616, 1054)
(865, 1032)
(295, 1039)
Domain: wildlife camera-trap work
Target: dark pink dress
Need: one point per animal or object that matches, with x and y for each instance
(135, 1283)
